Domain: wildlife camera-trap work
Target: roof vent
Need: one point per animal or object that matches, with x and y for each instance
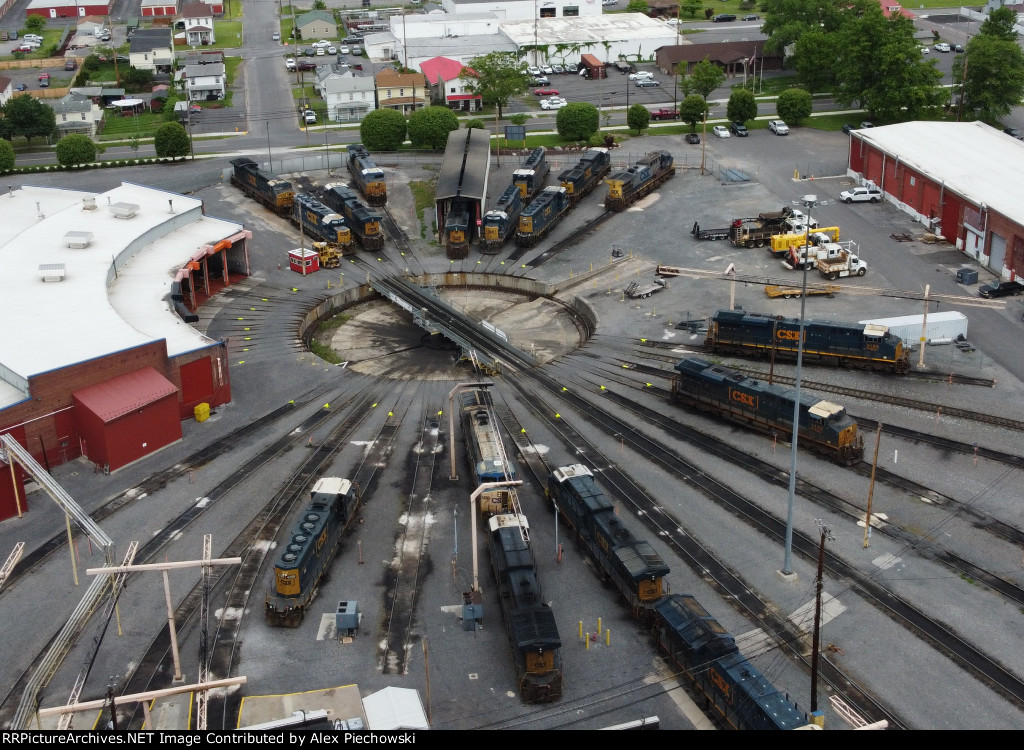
(88, 204)
(78, 239)
(124, 210)
(51, 271)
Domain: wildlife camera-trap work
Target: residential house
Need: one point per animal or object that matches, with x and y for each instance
(194, 26)
(348, 96)
(405, 92)
(98, 94)
(152, 49)
(317, 24)
(76, 113)
(446, 88)
(204, 81)
(200, 57)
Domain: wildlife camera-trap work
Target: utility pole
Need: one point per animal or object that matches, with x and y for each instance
(816, 642)
(871, 487)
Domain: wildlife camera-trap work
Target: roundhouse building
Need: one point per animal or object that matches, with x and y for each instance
(962, 180)
(97, 291)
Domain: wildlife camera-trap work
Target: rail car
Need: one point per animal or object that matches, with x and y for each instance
(368, 177)
(311, 546)
(320, 222)
(856, 345)
(456, 230)
(632, 565)
(529, 622)
(276, 194)
(486, 451)
(541, 216)
(531, 177)
(704, 652)
(629, 186)
(707, 656)
(824, 427)
(579, 180)
(501, 221)
(365, 224)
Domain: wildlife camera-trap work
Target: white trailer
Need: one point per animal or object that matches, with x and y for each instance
(941, 326)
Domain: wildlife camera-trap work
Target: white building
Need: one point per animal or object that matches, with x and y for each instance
(518, 10)
(348, 97)
(204, 82)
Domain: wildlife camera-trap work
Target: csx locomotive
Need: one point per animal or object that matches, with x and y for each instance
(858, 345)
(276, 194)
(629, 186)
(501, 220)
(320, 222)
(579, 180)
(529, 622)
(368, 177)
(633, 567)
(824, 427)
(541, 216)
(488, 461)
(456, 230)
(364, 222)
(310, 548)
(704, 652)
(530, 178)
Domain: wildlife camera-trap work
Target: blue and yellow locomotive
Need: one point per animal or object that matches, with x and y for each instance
(276, 194)
(364, 223)
(541, 216)
(501, 220)
(824, 427)
(530, 177)
(486, 450)
(368, 177)
(320, 222)
(629, 186)
(588, 172)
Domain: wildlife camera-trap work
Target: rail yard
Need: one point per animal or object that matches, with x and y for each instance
(921, 612)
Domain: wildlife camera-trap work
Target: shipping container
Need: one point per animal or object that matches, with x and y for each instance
(941, 325)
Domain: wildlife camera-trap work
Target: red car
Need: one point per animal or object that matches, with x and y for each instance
(546, 92)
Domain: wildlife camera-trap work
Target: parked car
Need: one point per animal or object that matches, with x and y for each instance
(778, 127)
(289, 63)
(70, 64)
(644, 83)
(942, 47)
(1014, 132)
(553, 103)
(738, 129)
(640, 74)
(322, 43)
(724, 17)
(546, 92)
(309, 116)
(344, 49)
(692, 138)
(541, 81)
(606, 3)
(547, 70)
(924, 49)
(866, 124)
(44, 83)
(276, 36)
(849, 127)
(751, 17)
(357, 50)
(958, 48)
(21, 87)
(332, 50)
(321, 50)
(870, 194)
(4, 36)
(44, 76)
(1000, 289)
(721, 131)
(533, 70)
(195, 109)
(33, 38)
(309, 52)
(27, 48)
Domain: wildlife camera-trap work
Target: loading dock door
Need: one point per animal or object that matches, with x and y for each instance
(997, 253)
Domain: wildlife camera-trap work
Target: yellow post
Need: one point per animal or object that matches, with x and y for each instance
(599, 626)
(608, 637)
(581, 628)
(588, 641)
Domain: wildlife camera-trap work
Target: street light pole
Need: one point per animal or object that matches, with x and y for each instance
(809, 202)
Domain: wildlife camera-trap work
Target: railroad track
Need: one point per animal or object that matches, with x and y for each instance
(409, 263)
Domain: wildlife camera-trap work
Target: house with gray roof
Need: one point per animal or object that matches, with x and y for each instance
(76, 113)
(152, 49)
(317, 24)
(348, 96)
(204, 82)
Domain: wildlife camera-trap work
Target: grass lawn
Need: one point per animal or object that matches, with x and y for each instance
(118, 128)
(228, 33)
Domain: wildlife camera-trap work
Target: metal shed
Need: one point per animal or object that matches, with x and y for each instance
(464, 173)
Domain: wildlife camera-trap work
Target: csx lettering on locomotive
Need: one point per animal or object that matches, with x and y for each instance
(743, 398)
(788, 335)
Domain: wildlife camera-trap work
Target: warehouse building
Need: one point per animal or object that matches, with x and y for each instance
(98, 358)
(962, 180)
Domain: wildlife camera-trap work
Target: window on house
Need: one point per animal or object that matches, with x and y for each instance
(64, 118)
(912, 182)
(389, 93)
(352, 96)
(83, 115)
(452, 91)
(547, 12)
(401, 92)
(571, 10)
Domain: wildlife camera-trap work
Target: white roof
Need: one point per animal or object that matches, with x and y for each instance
(94, 312)
(616, 27)
(395, 708)
(971, 158)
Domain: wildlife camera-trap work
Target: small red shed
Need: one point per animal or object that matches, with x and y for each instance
(127, 418)
(303, 261)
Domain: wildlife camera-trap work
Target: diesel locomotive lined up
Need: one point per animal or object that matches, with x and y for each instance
(367, 176)
(316, 220)
(704, 653)
(629, 186)
(856, 345)
(456, 230)
(823, 426)
(311, 546)
(276, 194)
(364, 222)
(501, 221)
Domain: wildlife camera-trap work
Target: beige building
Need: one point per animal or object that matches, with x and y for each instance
(405, 92)
(317, 24)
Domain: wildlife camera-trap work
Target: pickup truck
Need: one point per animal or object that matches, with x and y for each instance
(847, 264)
(665, 113)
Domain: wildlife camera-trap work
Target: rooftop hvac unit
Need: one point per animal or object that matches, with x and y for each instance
(78, 239)
(51, 271)
(88, 204)
(124, 210)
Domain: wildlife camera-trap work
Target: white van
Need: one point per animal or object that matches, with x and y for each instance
(33, 38)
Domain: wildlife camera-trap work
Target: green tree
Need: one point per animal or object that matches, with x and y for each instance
(91, 64)
(785, 21)
(495, 77)
(703, 79)
(638, 6)
(383, 130)
(171, 140)
(577, 121)
(519, 118)
(638, 117)
(35, 25)
(75, 149)
(742, 106)
(993, 83)
(880, 67)
(999, 24)
(793, 105)
(691, 7)
(814, 59)
(429, 127)
(475, 123)
(319, 5)
(693, 109)
(28, 117)
(6, 156)
(136, 79)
